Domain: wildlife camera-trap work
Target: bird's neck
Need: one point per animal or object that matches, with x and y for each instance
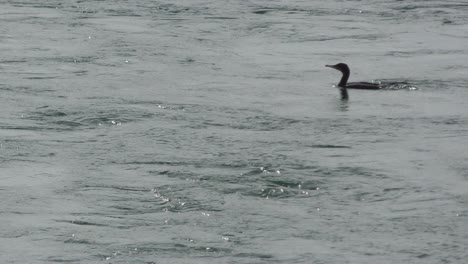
(342, 85)
(344, 79)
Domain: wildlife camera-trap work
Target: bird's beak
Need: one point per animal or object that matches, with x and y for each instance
(330, 66)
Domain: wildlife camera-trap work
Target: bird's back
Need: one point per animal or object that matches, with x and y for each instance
(363, 85)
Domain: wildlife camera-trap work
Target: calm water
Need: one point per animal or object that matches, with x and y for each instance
(210, 132)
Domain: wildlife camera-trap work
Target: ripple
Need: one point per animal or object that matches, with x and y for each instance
(79, 222)
(329, 146)
(69, 119)
(396, 85)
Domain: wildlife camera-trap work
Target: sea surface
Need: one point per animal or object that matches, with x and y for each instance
(209, 131)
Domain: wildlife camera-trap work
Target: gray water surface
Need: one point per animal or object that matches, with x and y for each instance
(210, 132)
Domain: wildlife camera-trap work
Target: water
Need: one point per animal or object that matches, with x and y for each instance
(209, 132)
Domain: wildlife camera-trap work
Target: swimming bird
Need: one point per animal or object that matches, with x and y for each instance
(344, 85)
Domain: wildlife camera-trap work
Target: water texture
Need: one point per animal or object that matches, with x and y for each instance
(210, 132)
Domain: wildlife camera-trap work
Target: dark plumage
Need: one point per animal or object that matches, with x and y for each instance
(344, 85)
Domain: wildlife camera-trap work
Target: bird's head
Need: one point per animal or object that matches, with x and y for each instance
(342, 67)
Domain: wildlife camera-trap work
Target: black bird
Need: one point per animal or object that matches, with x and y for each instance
(344, 85)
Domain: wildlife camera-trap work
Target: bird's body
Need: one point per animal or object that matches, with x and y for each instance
(344, 85)
(363, 85)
